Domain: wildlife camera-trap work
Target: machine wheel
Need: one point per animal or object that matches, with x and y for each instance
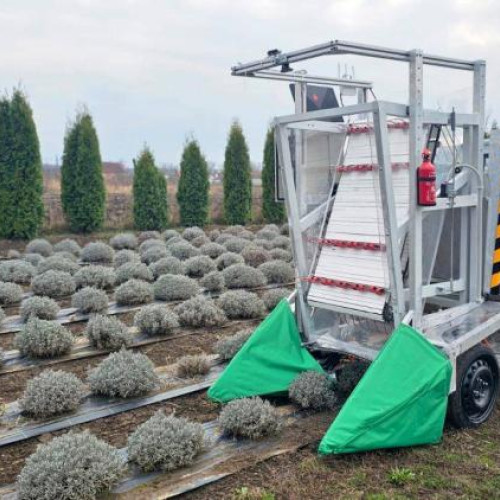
(477, 387)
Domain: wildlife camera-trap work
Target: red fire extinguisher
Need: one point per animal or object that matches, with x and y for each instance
(426, 181)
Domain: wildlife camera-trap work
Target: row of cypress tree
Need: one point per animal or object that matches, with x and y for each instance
(83, 191)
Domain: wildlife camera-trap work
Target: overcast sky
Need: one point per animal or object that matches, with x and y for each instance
(157, 72)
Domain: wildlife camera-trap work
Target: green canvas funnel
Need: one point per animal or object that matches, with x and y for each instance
(268, 362)
(400, 401)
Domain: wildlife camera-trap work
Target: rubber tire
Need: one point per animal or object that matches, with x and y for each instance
(456, 410)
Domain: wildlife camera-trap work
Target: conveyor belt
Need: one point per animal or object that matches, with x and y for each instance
(357, 216)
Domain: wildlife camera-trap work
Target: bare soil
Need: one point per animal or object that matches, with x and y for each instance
(113, 430)
(465, 465)
(161, 353)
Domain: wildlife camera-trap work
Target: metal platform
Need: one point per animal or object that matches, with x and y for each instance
(459, 328)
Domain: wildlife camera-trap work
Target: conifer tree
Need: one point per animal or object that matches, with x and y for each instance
(21, 176)
(150, 194)
(83, 192)
(271, 210)
(237, 178)
(192, 191)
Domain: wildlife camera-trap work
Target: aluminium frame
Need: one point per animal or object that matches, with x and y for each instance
(476, 246)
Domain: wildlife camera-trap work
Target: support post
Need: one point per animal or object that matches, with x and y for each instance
(416, 142)
(477, 236)
(300, 91)
(389, 211)
(285, 159)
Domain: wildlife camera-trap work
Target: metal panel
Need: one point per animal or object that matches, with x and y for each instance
(493, 185)
(415, 225)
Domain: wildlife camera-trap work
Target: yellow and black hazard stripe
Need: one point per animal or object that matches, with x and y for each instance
(495, 274)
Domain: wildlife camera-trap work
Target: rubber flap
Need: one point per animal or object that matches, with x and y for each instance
(400, 401)
(268, 362)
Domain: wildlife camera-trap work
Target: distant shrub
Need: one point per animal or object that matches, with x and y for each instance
(12, 253)
(39, 307)
(68, 245)
(33, 258)
(65, 255)
(173, 240)
(272, 227)
(235, 244)
(97, 276)
(123, 374)
(282, 242)
(124, 241)
(107, 333)
(125, 257)
(243, 276)
(175, 287)
(222, 238)
(72, 466)
(165, 443)
(193, 366)
(227, 347)
(190, 233)
(349, 376)
(97, 253)
(133, 270)
(277, 271)
(213, 282)
(148, 244)
(16, 271)
(233, 230)
(154, 254)
(170, 233)
(285, 229)
(51, 393)
(39, 338)
(2, 316)
(241, 304)
(313, 390)
(167, 265)
(213, 250)
(56, 263)
(134, 292)
(148, 235)
(198, 266)
(10, 293)
(266, 234)
(199, 241)
(228, 259)
(90, 300)
(183, 250)
(246, 235)
(200, 312)
(251, 418)
(280, 254)
(156, 320)
(213, 234)
(274, 296)
(39, 246)
(267, 244)
(255, 256)
(53, 284)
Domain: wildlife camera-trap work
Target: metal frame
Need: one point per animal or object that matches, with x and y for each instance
(477, 238)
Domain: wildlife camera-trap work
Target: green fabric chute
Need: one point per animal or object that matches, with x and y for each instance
(400, 401)
(268, 362)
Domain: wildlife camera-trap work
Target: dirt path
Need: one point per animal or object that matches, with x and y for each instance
(465, 465)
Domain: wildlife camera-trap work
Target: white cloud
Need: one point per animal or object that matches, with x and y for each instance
(155, 70)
